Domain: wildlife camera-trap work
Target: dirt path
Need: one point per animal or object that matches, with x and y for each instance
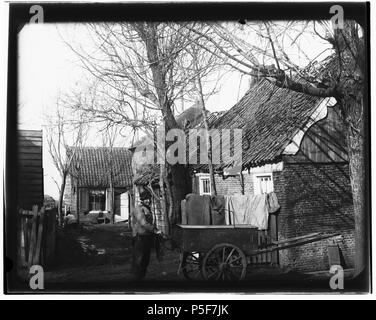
(97, 258)
(102, 253)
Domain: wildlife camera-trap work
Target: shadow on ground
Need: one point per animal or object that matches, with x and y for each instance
(97, 259)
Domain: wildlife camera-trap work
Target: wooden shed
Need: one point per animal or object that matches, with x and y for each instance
(29, 169)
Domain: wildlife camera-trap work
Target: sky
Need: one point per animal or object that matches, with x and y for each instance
(48, 67)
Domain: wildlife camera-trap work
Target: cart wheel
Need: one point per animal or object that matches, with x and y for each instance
(224, 262)
(191, 265)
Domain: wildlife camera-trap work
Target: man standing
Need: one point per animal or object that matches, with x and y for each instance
(143, 232)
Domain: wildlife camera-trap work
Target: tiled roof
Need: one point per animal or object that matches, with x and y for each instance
(96, 164)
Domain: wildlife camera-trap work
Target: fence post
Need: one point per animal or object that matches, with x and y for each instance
(33, 235)
(22, 239)
(36, 259)
(50, 239)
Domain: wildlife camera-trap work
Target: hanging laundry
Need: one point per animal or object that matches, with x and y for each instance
(228, 212)
(273, 204)
(257, 211)
(218, 210)
(183, 211)
(248, 209)
(237, 205)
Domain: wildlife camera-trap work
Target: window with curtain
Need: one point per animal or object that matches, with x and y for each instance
(263, 183)
(97, 200)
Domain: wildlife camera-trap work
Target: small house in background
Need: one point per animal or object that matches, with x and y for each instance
(294, 145)
(95, 171)
(147, 174)
(49, 202)
(30, 169)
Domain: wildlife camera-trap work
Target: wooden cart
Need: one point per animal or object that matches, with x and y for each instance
(222, 253)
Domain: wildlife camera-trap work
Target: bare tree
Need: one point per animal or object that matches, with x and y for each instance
(201, 99)
(109, 134)
(142, 71)
(269, 50)
(62, 133)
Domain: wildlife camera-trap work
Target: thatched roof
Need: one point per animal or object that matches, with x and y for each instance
(269, 117)
(151, 172)
(189, 118)
(96, 164)
(149, 176)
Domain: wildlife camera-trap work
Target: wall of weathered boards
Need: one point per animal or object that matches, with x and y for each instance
(29, 169)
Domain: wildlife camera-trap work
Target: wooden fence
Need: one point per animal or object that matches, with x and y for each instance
(37, 237)
(264, 239)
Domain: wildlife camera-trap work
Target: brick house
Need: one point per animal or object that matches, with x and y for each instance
(93, 171)
(293, 144)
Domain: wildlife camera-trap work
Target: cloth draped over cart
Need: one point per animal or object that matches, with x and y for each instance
(235, 209)
(203, 210)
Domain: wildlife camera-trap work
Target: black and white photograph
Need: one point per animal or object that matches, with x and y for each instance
(189, 148)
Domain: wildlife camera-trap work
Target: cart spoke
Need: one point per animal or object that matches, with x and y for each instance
(228, 257)
(236, 259)
(212, 274)
(224, 262)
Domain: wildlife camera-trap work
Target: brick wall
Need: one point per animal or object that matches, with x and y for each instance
(228, 186)
(314, 198)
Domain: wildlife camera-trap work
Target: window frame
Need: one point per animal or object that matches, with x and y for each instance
(201, 179)
(257, 182)
(102, 192)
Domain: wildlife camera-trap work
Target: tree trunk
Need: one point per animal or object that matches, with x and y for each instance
(357, 170)
(181, 186)
(149, 34)
(112, 200)
(77, 202)
(61, 198)
(355, 143)
(170, 200)
(113, 204)
(163, 199)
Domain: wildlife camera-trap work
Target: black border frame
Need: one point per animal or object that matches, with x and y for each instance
(81, 12)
